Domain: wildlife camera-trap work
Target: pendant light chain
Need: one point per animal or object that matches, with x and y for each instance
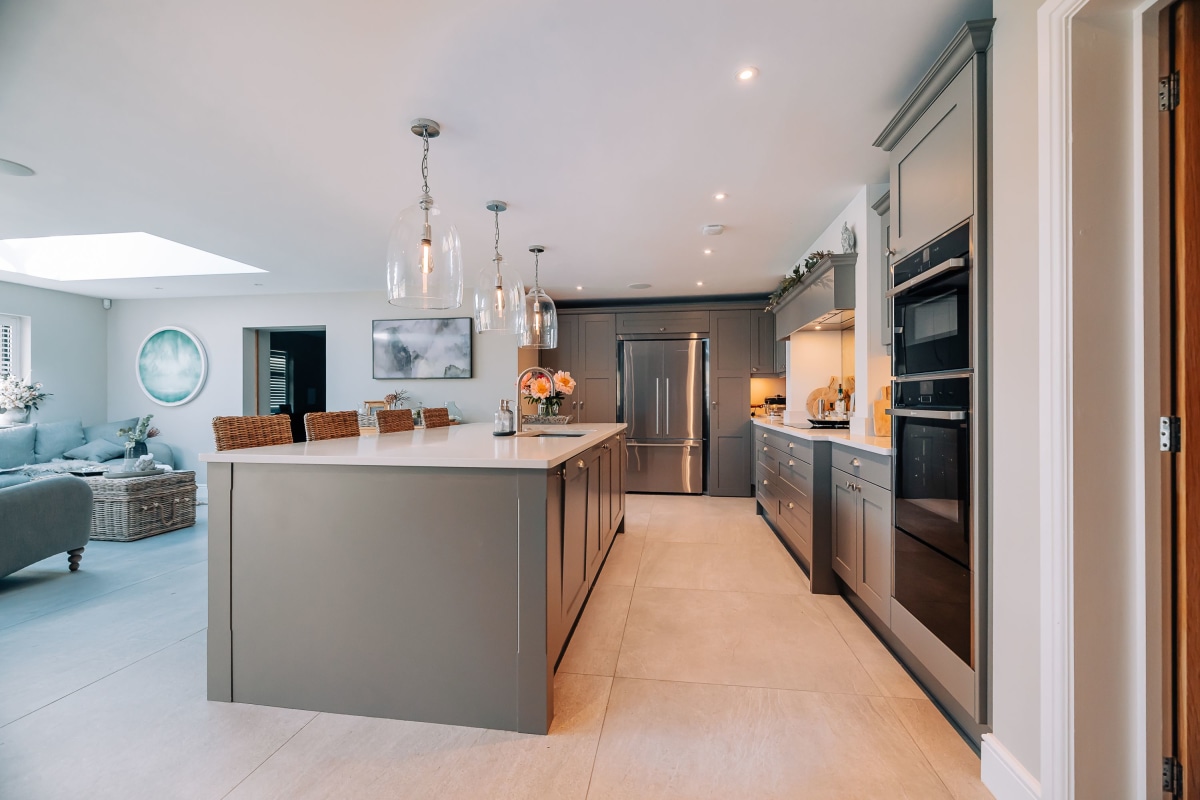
(425, 164)
(537, 284)
(497, 246)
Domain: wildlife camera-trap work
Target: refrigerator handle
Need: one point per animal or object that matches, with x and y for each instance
(668, 380)
(657, 409)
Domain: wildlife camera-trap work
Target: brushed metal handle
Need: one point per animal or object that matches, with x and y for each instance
(765, 448)
(854, 462)
(790, 445)
(791, 505)
(754, 369)
(605, 446)
(764, 481)
(662, 330)
(714, 403)
(764, 435)
(579, 463)
(791, 462)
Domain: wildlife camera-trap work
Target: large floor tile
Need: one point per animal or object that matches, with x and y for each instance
(624, 559)
(742, 639)
(596, 641)
(144, 732)
(762, 567)
(952, 758)
(55, 654)
(880, 664)
(706, 520)
(49, 586)
(676, 740)
(339, 756)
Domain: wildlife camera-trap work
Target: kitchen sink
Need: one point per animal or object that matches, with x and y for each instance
(555, 434)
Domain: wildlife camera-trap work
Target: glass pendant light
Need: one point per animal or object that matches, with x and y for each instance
(425, 266)
(541, 318)
(499, 294)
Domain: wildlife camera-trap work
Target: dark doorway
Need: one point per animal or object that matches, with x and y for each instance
(297, 375)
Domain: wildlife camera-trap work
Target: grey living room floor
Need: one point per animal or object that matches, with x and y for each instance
(702, 668)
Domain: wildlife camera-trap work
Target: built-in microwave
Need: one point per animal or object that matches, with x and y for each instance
(932, 307)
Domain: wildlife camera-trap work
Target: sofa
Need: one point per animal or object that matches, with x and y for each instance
(41, 518)
(43, 442)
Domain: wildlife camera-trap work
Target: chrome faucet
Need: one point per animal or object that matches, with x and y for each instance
(519, 425)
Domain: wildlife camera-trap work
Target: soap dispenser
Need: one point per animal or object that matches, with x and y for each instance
(505, 422)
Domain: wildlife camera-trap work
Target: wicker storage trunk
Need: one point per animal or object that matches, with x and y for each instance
(125, 509)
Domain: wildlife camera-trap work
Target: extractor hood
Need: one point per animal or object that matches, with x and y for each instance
(825, 297)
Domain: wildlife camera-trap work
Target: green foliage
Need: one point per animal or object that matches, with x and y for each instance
(798, 273)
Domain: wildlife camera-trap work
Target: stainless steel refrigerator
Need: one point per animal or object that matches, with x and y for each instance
(663, 406)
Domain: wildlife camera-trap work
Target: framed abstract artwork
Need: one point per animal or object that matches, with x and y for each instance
(421, 348)
(171, 366)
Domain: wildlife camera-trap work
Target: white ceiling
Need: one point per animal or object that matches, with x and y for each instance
(276, 133)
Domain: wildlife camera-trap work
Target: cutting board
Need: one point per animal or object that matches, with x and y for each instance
(883, 421)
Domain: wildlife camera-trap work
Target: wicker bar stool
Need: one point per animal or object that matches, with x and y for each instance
(436, 417)
(330, 425)
(234, 433)
(394, 420)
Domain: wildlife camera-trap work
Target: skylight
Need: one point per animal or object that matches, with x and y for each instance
(110, 255)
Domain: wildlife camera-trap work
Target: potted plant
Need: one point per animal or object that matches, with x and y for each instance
(135, 445)
(17, 397)
(548, 395)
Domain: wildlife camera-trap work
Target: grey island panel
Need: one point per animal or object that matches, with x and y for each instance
(382, 591)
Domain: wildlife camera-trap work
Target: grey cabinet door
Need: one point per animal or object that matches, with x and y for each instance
(762, 343)
(591, 460)
(663, 322)
(781, 364)
(594, 368)
(845, 528)
(563, 356)
(875, 575)
(729, 456)
(604, 464)
(574, 539)
(597, 398)
(933, 168)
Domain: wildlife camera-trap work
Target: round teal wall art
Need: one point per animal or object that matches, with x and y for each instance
(171, 366)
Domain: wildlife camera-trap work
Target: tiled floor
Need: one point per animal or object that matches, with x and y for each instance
(702, 668)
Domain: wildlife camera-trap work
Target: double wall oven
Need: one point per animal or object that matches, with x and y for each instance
(936, 591)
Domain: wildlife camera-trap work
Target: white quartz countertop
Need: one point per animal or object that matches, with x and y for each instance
(471, 446)
(871, 444)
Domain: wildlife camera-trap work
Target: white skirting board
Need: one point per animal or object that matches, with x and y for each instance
(201, 494)
(1003, 775)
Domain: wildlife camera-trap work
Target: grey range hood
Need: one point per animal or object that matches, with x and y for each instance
(825, 298)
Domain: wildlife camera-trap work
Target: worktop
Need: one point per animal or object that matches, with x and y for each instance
(871, 444)
(472, 446)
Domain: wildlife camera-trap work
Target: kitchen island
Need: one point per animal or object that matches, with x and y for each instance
(432, 575)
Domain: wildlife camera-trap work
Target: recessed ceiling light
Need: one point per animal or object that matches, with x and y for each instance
(708, 251)
(111, 255)
(258, 284)
(699, 283)
(747, 73)
(14, 169)
(579, 288)
(159, 288)
(719, 196)
(639, 286)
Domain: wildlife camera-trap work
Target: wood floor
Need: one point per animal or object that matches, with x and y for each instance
(701, 668)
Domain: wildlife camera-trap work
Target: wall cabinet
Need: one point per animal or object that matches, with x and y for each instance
(691, 321)
(768, 359)
(587, 348)
(862, 540)
(729, 459)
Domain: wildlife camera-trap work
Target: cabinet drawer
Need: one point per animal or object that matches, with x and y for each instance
(799, 521)
(766, 483)
(767, 457)
(663, 322)
(793, 446)
(798, 475)
(871, 467)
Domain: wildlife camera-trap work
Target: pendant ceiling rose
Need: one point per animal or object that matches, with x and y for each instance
(496, 206)
(426, 127)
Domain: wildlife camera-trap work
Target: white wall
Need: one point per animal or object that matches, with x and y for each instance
(1015, 510)
(67, 350)
(815, 356)
(219, 324)
(872, 365)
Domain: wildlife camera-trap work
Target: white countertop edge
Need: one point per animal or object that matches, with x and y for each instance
(871, 444)
(461, 446)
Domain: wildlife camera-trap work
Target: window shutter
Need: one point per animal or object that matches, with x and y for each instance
(279, 378)
(8, 346)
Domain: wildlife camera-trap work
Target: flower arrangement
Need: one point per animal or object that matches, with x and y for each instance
(549, 394)
(138, 434)
(18, 394)
(396, 399)
(796, 275)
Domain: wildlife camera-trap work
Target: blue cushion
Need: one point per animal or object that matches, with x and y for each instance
(97, 450)
(16, 446)
(55, 438)
(12, 479)
(108, 430)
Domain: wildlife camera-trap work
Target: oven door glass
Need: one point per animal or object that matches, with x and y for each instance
(933, 529)
(932, 332)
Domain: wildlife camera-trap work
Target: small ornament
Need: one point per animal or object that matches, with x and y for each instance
(848, 240)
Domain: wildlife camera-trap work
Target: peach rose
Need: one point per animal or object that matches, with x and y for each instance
(540, 387)
(564, 383)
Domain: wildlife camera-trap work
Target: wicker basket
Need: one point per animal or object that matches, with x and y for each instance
(539, 419)
(125, 509)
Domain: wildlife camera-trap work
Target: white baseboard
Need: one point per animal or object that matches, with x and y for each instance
(1003, 775)
(201, 494)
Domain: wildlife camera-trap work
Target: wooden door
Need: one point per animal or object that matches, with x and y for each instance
(1182, 130)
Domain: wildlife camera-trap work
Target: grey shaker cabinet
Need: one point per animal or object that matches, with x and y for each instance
(729, 473)
(587, 348)
(845, 529)
(862, 540)
(764, 349)
(574, 529)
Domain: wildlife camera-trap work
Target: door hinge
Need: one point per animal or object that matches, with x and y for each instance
(1168, 92)
(1170, 436)
(1172, 776)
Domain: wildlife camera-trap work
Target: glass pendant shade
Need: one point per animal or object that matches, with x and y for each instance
(541, 321)
(499, 300)
(425, 264)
